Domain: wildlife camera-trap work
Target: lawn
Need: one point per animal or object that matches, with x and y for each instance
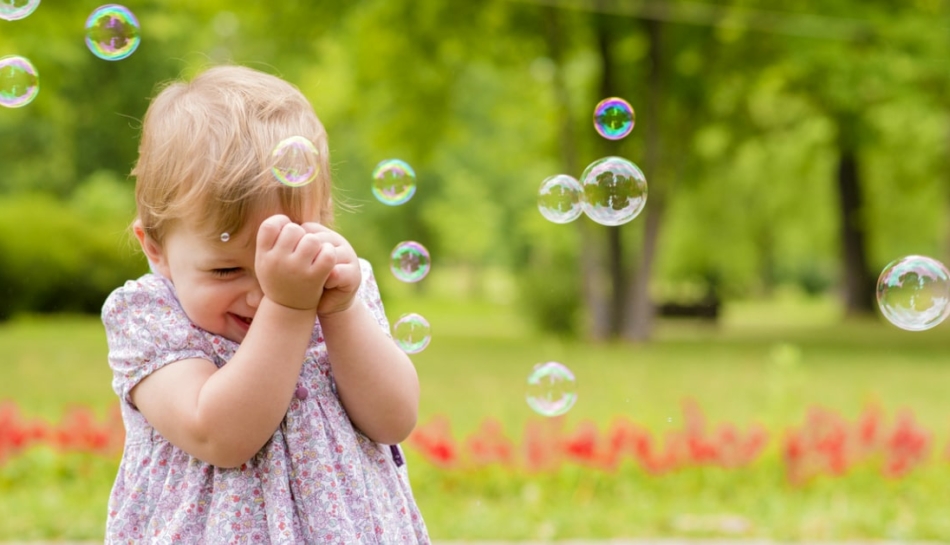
(764, 363)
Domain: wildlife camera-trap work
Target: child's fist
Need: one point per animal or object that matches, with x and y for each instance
(344, 279)
(292, 265)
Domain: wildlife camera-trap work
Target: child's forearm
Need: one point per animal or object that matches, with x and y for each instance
(376, 381)
(249, 396)
(240, 405)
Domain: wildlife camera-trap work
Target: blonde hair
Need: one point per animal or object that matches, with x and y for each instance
(206, 153)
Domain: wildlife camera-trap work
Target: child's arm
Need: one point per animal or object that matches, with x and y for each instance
(224, 416)
(376, 381)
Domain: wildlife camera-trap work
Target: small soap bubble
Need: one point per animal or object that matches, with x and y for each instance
(559, 198)
(112, 32)
(394, 182)
(295, 161)
(225, 237)
(614, 118)
(409, 261)
(19, 82)
(913, 292)
(615, 191)
(552, 390)
(412, 333)
(14, 10)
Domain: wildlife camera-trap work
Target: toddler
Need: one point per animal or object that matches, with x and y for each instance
(261, 392)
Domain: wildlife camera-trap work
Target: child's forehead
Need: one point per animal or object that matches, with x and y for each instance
(215, 228)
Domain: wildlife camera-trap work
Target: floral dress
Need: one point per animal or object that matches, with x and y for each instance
(317, 480)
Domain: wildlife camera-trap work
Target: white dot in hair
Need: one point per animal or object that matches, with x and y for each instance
(225, 237)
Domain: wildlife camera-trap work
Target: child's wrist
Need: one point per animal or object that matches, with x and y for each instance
(336, 312)
(290, 311)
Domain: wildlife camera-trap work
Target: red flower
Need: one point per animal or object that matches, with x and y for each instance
(489, 445)
(434, 441)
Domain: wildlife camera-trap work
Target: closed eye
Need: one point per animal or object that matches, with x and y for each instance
(221, 273)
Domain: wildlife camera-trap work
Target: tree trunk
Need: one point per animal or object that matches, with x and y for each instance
(859, 284)
(616, 273)
(640, 309)
(595, 298)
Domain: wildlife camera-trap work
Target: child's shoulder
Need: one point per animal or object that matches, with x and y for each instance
(145, 290)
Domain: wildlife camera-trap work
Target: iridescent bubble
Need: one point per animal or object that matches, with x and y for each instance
(19, 82)
(614, 118)
(225, 237)
(14, 10)
(615, 191)
(409, 261)
(112, 32)
(552, 390)
(412, 333)
(394, 182)
(913, 292)
(559, 198)
(295, 161)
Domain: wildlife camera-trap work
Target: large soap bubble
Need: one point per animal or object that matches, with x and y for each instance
(409, 261)
(394, 182)
(614, 118)
(559, 198)
(14, 10)
(552, 390)
(615, 191)
(295, 161)
(412, 333)
(112, 32)
(19, 81)
(913, 292)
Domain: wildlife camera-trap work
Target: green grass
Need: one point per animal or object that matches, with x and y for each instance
(764, 362)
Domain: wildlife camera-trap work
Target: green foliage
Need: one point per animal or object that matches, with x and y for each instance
(61, 257)
(548, 286)
(752, 107)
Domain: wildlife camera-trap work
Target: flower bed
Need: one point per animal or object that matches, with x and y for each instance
(825, 443)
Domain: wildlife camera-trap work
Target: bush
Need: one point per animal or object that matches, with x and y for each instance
(57, 257)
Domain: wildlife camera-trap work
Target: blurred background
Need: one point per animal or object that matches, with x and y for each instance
(790, 155)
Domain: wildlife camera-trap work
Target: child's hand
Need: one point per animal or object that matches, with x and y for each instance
(345, 278)
(292, 264)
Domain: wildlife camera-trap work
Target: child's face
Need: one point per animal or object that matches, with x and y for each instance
(214, 280)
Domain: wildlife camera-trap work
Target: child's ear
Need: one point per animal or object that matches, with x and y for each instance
(153, 250)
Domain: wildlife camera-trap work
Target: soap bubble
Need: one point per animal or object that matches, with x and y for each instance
(552, 390)
(394, 182)
(19, 82)
(112, 32)
(412, 333)
(615, 191)
(614, 118)
(559, 198)
(409, 261)
(295, 161)
(913, 292)
(14, 10)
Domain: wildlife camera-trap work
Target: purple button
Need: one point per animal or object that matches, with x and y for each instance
(301, 393)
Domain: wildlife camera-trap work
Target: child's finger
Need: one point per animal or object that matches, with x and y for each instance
(325, 232)
(289, 237)
(325, 259)
(270, 230)
(308, 248)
